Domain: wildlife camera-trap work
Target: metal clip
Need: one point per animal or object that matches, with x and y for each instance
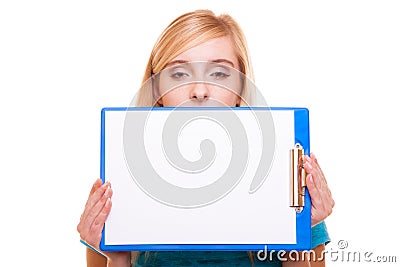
(297, 178)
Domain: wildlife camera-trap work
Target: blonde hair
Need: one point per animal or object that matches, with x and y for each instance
(187, 31)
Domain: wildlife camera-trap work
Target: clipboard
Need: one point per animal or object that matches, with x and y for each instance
(141, 220)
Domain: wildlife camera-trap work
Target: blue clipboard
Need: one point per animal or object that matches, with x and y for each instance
(303, 219)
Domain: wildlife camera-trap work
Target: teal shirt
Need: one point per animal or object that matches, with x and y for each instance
(220, 258)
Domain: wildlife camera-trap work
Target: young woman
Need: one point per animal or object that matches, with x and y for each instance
(199, 36)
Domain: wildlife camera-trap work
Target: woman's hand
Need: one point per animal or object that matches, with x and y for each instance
(92, 220)
(321, 197)
(96, 210)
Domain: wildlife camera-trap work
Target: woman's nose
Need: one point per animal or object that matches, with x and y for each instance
(199, 91)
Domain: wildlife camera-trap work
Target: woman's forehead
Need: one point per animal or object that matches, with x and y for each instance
(218, 50)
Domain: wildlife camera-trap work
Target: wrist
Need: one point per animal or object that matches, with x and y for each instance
(119, 259)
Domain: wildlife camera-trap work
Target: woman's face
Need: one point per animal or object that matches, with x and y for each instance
(205, 75)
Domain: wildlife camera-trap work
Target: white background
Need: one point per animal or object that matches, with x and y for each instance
(61, 61)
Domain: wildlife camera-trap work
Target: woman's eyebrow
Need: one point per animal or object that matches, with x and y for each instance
(223, 60)
(175, 62)
(219, 60)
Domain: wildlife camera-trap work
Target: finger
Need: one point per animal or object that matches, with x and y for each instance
(321, 184)
(315, 194)
(98, 205)
(90, 214)
(322, 178)
(311, 166)
(97, 225)
(316, 165)
(318, 175)
(327, 203)
(322, 202)
(306, 159)
(310, 169)
(309, 161)
(86, 223)
(96, 196)
(316, 200)
(96, 185)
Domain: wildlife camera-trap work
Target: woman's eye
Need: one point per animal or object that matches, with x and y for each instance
(220, 75)
(179, 75)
